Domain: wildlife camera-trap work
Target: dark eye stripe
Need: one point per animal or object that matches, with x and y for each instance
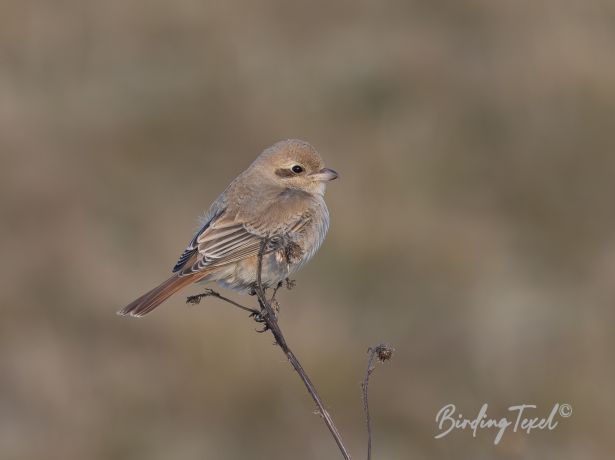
(284, 173)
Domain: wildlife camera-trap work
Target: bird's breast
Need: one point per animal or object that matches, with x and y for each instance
(309, 238)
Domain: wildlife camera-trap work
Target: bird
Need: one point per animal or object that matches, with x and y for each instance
(278, 199)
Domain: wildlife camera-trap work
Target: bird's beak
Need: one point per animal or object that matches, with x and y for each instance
(325, 175)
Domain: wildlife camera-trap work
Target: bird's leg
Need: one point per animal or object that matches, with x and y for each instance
(261, 316)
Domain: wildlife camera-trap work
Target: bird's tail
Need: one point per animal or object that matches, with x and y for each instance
(150, 300)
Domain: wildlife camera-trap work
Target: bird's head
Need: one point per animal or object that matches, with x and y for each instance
(295, 164)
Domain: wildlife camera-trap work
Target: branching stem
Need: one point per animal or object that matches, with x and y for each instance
(267, 315)
(271, 322)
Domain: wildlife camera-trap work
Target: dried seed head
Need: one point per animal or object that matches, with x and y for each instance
(384, 352)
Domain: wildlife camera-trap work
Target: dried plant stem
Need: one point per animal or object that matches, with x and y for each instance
(271, 322)
(267, 315)
(383, 353)
(195, 299)
(368, 420)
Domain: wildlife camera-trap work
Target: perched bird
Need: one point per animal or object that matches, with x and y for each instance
(279, 198)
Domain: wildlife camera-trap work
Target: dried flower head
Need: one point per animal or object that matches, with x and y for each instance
(384, 352)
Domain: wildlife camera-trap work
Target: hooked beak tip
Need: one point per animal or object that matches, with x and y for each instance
(327, 174)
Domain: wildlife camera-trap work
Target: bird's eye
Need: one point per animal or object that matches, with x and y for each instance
(297, 169)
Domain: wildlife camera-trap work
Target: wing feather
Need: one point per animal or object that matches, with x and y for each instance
(223, 240)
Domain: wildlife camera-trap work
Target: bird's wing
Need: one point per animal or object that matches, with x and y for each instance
(220, 243)
(224, 240)
(215, 213)
(192, 248)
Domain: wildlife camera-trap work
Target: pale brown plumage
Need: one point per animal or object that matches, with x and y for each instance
(279, 197)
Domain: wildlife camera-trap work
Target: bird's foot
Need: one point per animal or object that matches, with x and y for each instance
(259, 317)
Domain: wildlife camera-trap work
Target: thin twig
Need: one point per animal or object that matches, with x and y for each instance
(267, 315)
(255, 314)
(271, 322)
(196, 299)
(273, 301)
(383, 353)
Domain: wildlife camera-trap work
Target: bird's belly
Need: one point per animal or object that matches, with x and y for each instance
(241, 276)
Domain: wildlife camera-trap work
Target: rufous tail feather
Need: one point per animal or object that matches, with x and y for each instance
(150, 300)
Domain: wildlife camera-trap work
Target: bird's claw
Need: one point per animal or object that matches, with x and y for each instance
(260, 318)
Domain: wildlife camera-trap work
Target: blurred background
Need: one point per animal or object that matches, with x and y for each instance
(473, 226)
